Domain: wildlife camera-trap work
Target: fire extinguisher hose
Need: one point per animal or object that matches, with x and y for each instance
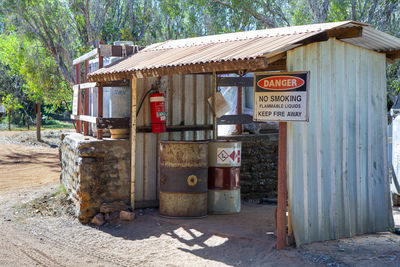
(143, 98)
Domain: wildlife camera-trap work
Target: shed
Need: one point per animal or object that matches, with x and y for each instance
(336, 163)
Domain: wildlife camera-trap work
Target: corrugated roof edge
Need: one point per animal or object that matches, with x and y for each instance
(237, 36)
(183, 44)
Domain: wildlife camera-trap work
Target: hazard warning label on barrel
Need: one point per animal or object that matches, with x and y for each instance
(228, 155)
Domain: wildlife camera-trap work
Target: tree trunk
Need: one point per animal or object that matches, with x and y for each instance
(9, 120)
(38, 121)
(27, 121)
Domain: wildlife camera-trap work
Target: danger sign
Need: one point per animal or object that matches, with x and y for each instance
(228, 155)
(281, 96)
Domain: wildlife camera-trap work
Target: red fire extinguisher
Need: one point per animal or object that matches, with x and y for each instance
(158, 115)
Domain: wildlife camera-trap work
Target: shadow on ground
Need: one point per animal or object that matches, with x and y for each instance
(48, 159)
(239, 239)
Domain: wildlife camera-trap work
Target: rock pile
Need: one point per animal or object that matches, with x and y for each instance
(112, 212)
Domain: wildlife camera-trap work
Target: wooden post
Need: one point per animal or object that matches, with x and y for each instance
(86, 107)
(100, 100)
(78, 81)
(282, 187)
(86, 69)
(239, 109)
(133, 140)
(214, 103)
(38, 121)
(86, 111)
(9, 119)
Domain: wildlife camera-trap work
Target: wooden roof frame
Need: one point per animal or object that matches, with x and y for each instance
(246, 65)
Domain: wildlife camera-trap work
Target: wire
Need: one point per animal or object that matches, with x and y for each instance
(144, 97)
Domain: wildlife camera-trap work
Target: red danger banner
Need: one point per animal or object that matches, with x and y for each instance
(280, 83)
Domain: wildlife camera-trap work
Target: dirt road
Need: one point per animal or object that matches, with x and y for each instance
(24, 166)
(29, 238)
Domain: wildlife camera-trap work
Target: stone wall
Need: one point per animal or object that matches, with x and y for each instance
(94, 172)
(259, 170)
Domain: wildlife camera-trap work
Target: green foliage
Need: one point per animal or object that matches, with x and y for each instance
(10, 103)
(41, 37)
(33, 63)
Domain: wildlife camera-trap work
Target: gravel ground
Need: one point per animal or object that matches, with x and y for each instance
(49, 138)
(36, 228)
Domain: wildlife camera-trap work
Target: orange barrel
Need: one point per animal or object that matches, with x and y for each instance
(224, 177)
(183, 178)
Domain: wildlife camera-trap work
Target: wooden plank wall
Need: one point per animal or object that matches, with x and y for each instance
(186, 104)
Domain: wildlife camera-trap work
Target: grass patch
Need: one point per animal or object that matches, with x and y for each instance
(52, 124)
(55, 124)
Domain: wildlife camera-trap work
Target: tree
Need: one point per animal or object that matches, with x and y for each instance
(38, 75)
(10, 104)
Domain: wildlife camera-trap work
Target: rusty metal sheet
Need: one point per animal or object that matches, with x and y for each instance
(183, 154)
(183, 180)
(183, 205)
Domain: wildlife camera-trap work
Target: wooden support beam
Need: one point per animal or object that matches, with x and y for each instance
(113, 123)
(86, 112)
(214, 104)
(345, 33)
(86, 69)
(239, 108)
(133, 140)
(100, 101)
(236, 119)
(86, 108)
(114, 83)
(282, 187)
(275, 57)
(86, 56)
(85, 118)
(78, 81)
(393, 55)
(177, 128)
(235, 81)
(229, 66)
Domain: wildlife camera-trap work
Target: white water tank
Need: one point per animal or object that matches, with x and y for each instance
(116, 102)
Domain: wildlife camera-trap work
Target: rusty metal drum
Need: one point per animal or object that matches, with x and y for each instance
(183, 178)
(224, 177)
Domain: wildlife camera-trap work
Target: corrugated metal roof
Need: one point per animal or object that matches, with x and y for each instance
(237, 46)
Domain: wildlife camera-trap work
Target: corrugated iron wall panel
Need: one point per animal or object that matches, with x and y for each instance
(186, 104)
(338, 181)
